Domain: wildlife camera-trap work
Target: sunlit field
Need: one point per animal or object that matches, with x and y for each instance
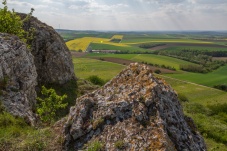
(81, 44)
(117, 37)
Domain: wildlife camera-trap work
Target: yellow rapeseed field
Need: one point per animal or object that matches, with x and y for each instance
(83, 43)
(117, 37)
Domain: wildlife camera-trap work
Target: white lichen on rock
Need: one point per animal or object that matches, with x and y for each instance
(135, 107)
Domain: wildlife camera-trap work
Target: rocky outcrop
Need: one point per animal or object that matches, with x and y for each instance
(134, 111)
(18, 77)
(52, 58)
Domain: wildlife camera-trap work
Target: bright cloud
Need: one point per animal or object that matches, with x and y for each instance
(128, 14)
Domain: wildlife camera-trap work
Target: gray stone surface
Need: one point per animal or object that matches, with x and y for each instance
(134, 108)
(53, 60)
(18, 77)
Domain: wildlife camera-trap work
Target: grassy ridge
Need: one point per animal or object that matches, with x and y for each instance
(211, 125)
(145, 40)
(201, 48)
(149, 58)
(210, 79)
(85, 67)
(161, 60)
(200, 98)
(116, 46)
(117, 37)
(121, 56)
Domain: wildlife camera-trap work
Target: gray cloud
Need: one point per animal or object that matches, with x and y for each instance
(209, 1)
(128, 14)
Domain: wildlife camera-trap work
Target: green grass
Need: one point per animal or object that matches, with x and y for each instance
(197, 93)
(95, 146)
(167, 40)
(161, 60)
(97, 46)
(121, 56)
(202, 48)
(149, 58)
(199, 98)
(85, 67)
(209, 79)
(15, 134)
(212, 127)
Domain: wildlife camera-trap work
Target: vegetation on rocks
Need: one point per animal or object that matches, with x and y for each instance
(49, 105)
(70, 89)
(11, 23)
(96, 80)
(119, 144)
(95, 146)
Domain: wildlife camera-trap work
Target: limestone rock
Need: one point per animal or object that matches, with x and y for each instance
(136, 109)
(53, 60)
(18, 77)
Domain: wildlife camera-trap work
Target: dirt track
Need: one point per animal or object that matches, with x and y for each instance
(78, 54)
(220, 58)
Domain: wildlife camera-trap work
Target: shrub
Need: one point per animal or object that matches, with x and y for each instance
(196, 108)
(69, 88)
(11, 23)
(221, 87)
(2, 108)
(48, 106)
(97, 123)
(95, 146)
(119, 144)
(96, 80)
(157, 71)
(182, 98)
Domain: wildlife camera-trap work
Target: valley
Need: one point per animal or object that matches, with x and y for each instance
(201, 101)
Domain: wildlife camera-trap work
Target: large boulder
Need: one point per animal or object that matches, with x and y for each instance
(18, 77)
(134, 111)
(53, 60)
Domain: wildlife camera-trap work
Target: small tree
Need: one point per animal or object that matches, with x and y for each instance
(50, 104)
(157, 71)
(11, 23)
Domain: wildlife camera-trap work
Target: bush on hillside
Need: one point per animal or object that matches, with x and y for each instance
(182, 97)
(49, 105)
(221, 87)
(157, 71)
(11, 23)
(96, 80)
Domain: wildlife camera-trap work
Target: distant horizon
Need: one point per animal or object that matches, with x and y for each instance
(145, 30)
(128, 15)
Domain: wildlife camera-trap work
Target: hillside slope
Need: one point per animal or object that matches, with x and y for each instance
(135, 108)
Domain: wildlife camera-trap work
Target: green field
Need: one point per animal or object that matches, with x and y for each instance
(206, 105)
(216, 77)
(161, 60)
(201, 48)
(85, 67)
(213, 128)
(98, 46)
(167, 40)
(121, 56)
(149, 58)
(200, 97)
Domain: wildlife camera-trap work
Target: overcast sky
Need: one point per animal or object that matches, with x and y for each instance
(128, 14)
